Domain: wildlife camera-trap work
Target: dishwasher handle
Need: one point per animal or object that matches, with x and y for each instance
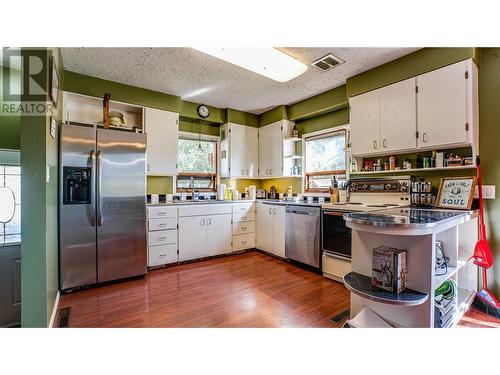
(300, 212)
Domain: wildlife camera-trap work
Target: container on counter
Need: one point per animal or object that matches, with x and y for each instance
(426, 162)
(392, 163)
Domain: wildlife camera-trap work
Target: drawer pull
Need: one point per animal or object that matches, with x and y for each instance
(162, 238)
(162, 224)
(244, 242)
(162, 213)
(244, 228)
(163, 255)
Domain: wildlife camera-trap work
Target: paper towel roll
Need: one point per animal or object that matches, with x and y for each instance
(221, 192)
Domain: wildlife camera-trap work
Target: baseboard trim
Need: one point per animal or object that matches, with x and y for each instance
(54, 311)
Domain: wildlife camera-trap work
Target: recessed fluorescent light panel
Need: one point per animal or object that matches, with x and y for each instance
(269, 62)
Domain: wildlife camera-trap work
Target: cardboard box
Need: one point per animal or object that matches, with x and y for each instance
(389, 269)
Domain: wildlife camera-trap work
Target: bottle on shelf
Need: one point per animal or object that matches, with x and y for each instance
(418, 162)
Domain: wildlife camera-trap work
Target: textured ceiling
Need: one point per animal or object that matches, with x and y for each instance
(201, 78)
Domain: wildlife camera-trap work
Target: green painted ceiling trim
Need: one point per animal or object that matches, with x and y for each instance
(273, 115)
(188, 110)
(10, 125)
(328, 120)
(186, 125)
(242, 118)
(328, 101)
(408, 66)
(92, 86)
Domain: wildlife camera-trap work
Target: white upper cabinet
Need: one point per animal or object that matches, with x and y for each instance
(364, 121)
(162, 128)
(442, 105)
(239, 151)
(398, 120)
(432, 110)
(271, 149)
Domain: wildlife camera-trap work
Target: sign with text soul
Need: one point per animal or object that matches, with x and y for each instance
(456, 193)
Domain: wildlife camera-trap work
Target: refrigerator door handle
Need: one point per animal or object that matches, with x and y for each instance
(99, 183)
(92, 188)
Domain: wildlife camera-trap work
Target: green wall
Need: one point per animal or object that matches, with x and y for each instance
(9, 125)
(39, 222)
(489, 134)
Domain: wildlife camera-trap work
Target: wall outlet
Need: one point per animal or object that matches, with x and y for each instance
(488, 192)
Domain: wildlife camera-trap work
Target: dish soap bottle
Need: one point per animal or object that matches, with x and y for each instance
(334, 191)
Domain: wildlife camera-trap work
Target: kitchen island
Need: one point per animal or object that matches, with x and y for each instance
(420, 232)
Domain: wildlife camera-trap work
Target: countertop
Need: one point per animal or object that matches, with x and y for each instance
(407, 217)
(280, 202)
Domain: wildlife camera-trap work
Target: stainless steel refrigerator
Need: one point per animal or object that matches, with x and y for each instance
(102, 205)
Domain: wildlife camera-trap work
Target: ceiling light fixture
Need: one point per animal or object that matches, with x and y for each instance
(269, 62)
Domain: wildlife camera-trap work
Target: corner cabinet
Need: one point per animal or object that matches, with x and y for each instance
(271, 229)
(432, 110)
(274, 149)
(162, 128)
(239, 151)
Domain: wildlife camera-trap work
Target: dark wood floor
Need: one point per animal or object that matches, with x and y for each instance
(244, 290)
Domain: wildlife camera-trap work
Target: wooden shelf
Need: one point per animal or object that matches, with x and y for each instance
(361, 285)
(415, 170)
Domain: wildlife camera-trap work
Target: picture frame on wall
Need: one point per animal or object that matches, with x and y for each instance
(53, 81)
(456, 193)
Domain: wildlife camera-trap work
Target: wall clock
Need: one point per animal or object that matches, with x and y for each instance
(203, 111)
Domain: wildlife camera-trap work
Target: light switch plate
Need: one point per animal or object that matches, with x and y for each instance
(488, 192)
(48, 173)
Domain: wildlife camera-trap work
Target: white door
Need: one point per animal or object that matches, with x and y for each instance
(441, 106)
(219, 234)
(276, 152)
(279, 231)
(364, 122)
(251, 151)
(398, 116)
(265, 227)
(192, 237)
(224, 150)
(265, 151)
(162, 128)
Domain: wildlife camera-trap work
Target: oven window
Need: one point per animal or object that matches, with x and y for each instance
(336, 235)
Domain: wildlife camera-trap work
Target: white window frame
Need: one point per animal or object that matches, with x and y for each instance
(204, 137)
(347, 129)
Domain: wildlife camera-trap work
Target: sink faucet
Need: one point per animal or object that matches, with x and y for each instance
(191, 186)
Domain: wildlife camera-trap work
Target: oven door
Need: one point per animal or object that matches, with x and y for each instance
(335, 235)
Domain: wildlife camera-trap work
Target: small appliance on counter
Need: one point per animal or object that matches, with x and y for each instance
(260, 194)
(272, 193)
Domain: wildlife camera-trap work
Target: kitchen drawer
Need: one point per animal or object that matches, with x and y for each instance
(244, 241)
(205, 209)
(334, 267)
(162, 237)
(163, 254)
(161, 211)
(162, 224)
(245, 227)
(243, 208)
(238, 218)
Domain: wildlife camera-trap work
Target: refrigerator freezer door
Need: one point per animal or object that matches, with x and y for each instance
(77, 235)
(121, 204)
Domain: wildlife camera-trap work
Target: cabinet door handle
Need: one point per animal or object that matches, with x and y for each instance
(209, 221)
(244, 242)
(424, 137)
(384, 143)
(270, 211)
(148, 168)
(202, 222)
(243, 228)
(375, 144)
(274, 211)
(242, 172)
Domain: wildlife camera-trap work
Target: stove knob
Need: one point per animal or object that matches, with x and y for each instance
(403, 189)
(388, 187)
(365, 186)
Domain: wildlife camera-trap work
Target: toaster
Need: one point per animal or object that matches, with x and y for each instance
(260, 194)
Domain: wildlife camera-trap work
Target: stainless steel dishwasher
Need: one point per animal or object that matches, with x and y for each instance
(302, 241)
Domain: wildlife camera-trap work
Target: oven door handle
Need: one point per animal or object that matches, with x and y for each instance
(332, 255)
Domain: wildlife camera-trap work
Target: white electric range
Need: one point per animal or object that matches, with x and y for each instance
(365, 195)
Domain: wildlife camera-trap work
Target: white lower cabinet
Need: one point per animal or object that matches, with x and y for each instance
(271, 229)
(162, 235)
(243, 226)
(203, 236)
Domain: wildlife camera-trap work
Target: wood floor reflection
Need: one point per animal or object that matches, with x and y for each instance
(244, 290)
